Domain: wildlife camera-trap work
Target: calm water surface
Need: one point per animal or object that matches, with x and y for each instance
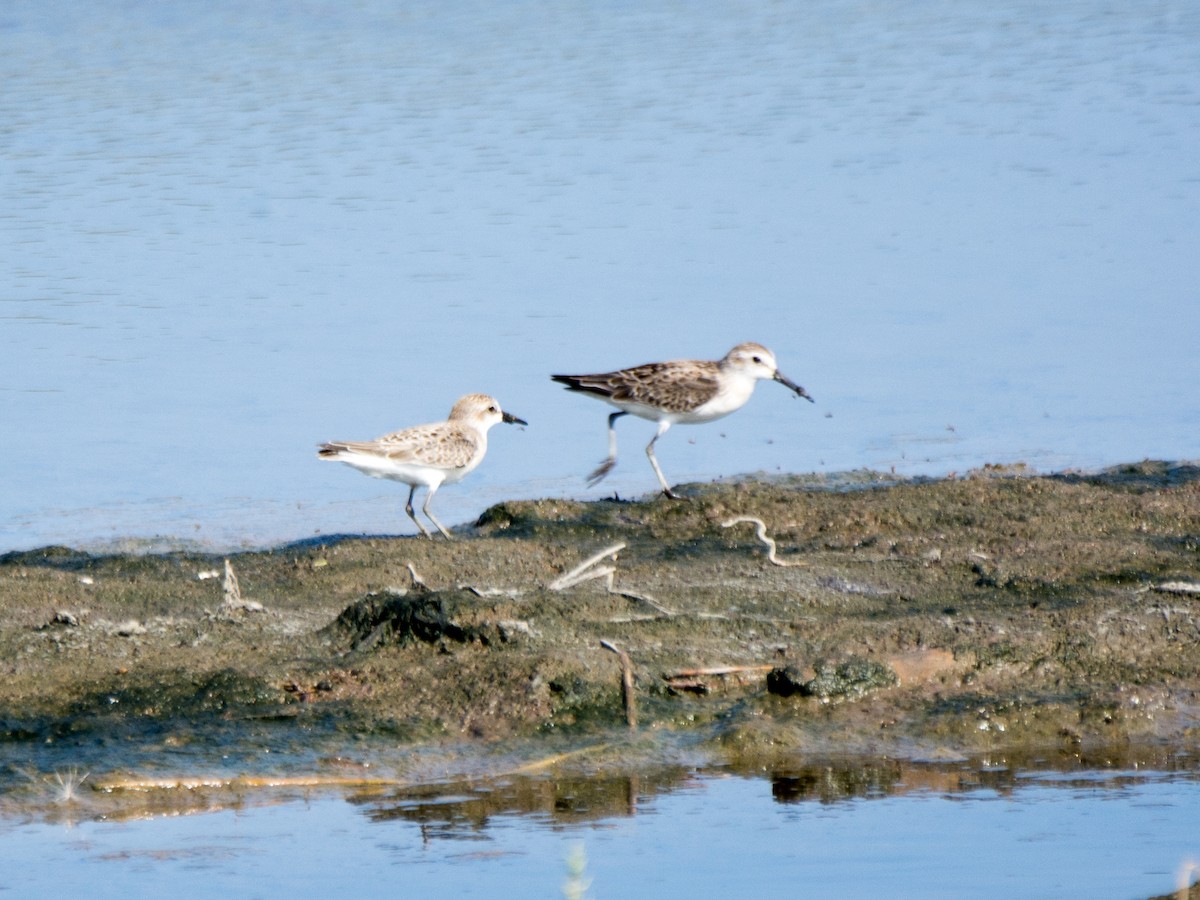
(1089, 834)
(232, 230)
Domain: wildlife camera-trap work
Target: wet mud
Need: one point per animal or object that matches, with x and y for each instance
(1047, 619)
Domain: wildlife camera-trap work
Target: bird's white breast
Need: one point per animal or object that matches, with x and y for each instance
(735, 389)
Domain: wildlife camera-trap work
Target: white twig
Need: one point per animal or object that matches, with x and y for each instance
(233, 593)
(417, 580)
(580, 574)
(576, 576)
(760, 529)
(1178, 587)
(491, 592)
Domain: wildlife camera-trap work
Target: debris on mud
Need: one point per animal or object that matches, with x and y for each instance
(435, 617)
(1000, 612)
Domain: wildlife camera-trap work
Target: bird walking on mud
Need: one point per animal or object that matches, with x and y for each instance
(684, 391)
(427, 455)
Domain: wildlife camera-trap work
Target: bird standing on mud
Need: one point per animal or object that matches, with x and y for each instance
(427, 455)
(687, 391)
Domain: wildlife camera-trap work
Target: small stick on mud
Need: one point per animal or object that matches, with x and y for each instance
(417, 580)
(580, 574)
(490, 592)
(577, 575)
(627, 695)
(699, 680)
(717, 670)
(233, 593)
(1177, 587)
(642, 598)
(233, 599)
(760, 529)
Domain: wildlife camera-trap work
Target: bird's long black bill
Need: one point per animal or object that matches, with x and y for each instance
(800, 392)
(512, 420)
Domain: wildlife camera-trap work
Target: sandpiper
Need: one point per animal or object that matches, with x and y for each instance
(687, 391)
(427, 455)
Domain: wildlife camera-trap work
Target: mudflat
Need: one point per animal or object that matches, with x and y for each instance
(998, 612)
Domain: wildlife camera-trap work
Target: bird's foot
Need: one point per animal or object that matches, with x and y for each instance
(602, 470)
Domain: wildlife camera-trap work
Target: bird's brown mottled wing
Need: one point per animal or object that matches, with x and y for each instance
(444, 444)
(678, 386)
(673, 386)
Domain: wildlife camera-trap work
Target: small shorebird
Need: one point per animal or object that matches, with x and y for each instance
(688, 391)
(427, 455)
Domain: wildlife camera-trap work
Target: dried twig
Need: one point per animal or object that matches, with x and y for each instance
(233, 593)
(642, 598)
(698, 681)
(1178, 587)
(417, 580)
(491, 592)
(627, 695)
(760, 529)
(577, 575)
(580, 574)
(716, 670)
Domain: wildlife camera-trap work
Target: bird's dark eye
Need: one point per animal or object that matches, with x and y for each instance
(758, 359)
(493, 409)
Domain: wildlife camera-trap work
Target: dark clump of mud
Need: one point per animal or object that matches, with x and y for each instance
(434, 617)
(847, 680)
(1001, 612)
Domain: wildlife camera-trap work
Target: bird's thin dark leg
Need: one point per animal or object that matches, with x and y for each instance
(408, 508)
(607, 466)
(432, 517)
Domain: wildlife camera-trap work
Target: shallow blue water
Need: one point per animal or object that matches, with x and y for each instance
(231, 231)
(715, 837)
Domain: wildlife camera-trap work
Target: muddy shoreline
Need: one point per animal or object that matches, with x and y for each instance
(1048, 618)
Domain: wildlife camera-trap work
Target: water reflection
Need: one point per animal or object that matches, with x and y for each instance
(466, 809)
(466, 806)
(829, 784)
(844, 827)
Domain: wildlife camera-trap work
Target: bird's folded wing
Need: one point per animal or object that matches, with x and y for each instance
(443, 444)
(676, 388)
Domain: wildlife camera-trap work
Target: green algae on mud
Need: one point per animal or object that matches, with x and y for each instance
(997, 613)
